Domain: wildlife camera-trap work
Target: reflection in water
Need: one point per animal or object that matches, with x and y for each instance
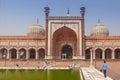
(22, 74)
(48, 74)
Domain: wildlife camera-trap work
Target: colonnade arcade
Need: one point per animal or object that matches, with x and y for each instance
(22, 53)
(103, 54)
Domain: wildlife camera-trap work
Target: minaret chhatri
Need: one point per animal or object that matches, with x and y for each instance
(47, 10)
(82, 11)
(68, 12)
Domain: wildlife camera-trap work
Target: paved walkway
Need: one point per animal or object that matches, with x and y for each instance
(34, 67)
(93, 74)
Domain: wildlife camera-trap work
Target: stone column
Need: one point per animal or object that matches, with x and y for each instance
(8, 55)
(113, 55)
(17, 54)
(36, 57)
(103, 54)
(27, 54)
(94, 54)
(91, 58)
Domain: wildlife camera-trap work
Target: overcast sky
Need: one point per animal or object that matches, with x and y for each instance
(16, 16)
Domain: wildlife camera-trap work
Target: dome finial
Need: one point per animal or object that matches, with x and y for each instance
(37, 21)
(98, 21)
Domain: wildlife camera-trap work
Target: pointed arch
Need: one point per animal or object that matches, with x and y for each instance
(3, 53)
(108, 53)
(22, 53)
(61, 37)
(117, 53)
(63, 33)
(41, 53)
(87, 54)
(32, 53)
(13, 53)
(98, 53)
(67, 52)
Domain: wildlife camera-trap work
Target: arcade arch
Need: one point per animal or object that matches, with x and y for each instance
(13, 53)
(87, 54)
(22, 53)
(98, 53)
(32, 53)
(108, 53)
(117, 53)
(41, 53)
(3, 53)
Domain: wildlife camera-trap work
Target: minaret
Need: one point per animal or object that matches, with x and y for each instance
(82, 11)
(47, 10)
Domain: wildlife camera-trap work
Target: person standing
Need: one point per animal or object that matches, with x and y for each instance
(104, 68)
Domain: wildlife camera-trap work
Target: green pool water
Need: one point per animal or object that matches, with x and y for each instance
(39, 74)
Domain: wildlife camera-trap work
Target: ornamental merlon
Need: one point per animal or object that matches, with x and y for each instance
(64, 18)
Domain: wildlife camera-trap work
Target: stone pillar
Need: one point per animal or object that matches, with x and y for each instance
(8, 55)
(113, 55)
(27, 54)
(17, 54)
(91, 58)
(103, 54)
(94, 54)
(36, 57)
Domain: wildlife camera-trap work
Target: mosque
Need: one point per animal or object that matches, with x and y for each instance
(63, 38)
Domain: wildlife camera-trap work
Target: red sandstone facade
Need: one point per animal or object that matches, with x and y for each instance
(64, 39)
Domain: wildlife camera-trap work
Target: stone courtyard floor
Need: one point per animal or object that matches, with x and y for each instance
(91, 73)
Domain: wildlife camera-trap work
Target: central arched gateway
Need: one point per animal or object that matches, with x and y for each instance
(66, 52)
(64, 42)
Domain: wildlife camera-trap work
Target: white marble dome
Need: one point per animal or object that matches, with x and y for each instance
(36, 30)
(100, 30)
